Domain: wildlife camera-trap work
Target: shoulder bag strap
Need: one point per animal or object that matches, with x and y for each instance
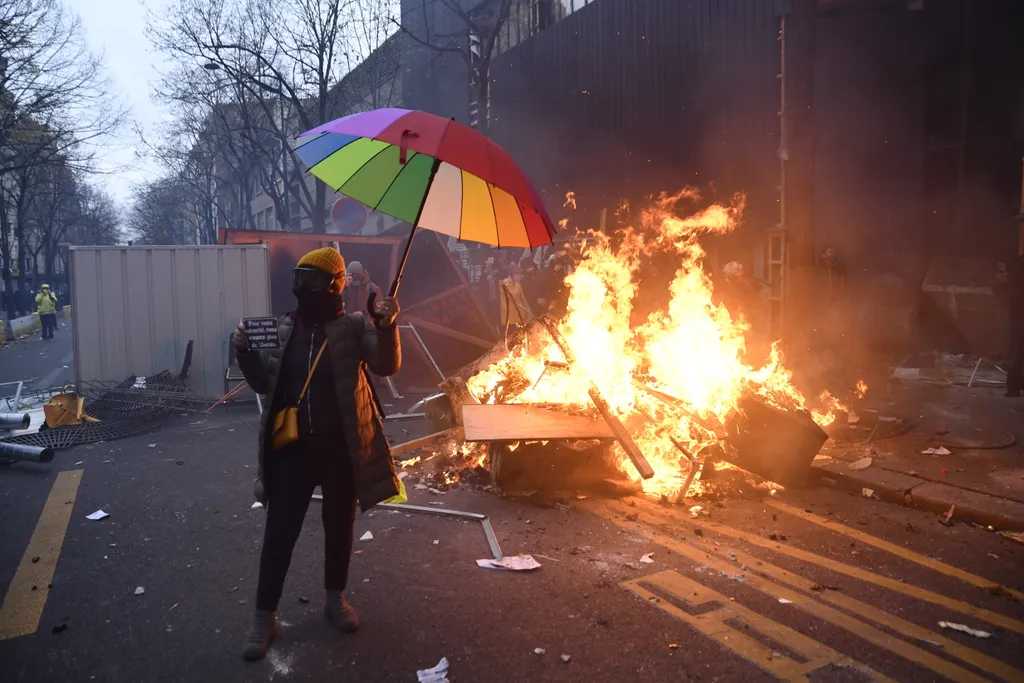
(312, 370)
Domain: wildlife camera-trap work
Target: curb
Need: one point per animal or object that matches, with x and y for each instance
(1001, 513)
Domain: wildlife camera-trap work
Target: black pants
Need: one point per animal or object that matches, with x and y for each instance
(49, 323)
(291, 475)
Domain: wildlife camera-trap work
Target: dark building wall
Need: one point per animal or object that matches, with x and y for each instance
(974, 127)
(918, 118)
(626, 98)
(870, 107)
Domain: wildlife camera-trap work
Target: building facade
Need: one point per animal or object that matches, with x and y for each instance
(890, 130)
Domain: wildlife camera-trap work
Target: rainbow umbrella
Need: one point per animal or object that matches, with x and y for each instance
(431, 172)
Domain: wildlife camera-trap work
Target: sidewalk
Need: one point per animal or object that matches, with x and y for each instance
(982, 474)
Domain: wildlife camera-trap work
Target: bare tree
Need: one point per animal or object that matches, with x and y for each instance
(53, 93)
(284, 56)
(471, 30)
(373, 54)
(54, 208)
(98, 221)
(159, 214)
(55, 106)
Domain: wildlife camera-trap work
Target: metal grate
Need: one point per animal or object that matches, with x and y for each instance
(75, 435)
(122, 410)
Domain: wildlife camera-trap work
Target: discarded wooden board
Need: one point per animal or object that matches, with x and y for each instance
(528, 423)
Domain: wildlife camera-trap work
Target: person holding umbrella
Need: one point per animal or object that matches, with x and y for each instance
(321, 427)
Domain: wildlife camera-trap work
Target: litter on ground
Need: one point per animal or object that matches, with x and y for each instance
(965, 629)
(515, 563)
(437, 674)
(861, 464)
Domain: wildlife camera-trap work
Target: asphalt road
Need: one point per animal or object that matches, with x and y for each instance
(39, 364)
(759, 589)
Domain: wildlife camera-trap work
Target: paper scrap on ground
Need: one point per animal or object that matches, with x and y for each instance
(867, 493)
(539, 650)
(256, 505)
(965, 629)
(861, 464)
(784, 601)
(140, 590)
(515, 563)
(941, 450)
(566, 658)
(648, 558)
(437, 674)
(99, 514)
(366, 537)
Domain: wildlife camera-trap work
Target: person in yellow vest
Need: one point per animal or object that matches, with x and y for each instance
(46, 304)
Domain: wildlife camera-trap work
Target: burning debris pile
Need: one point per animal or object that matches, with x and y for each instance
(670, 387)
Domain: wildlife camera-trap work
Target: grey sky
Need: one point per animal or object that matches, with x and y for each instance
(117, 29)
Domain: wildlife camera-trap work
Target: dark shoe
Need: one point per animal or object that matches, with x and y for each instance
(261, 635)
(341, 614)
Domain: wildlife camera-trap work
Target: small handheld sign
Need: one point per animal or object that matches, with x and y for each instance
(261, 333)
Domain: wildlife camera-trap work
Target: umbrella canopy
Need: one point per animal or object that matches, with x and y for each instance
(430, 172)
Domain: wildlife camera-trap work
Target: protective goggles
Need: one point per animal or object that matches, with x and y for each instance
(312, 279)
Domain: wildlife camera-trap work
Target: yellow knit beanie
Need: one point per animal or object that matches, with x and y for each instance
(326, 259)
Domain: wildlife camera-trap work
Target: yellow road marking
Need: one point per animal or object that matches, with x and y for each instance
(22, 608)
(703, 553)
(993, 618)
(728, 624)
(923, 560)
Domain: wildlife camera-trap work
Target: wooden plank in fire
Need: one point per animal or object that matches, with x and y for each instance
(528, 423)
(633, 451)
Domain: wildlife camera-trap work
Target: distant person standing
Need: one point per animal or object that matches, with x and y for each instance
(515, 311)
(1009, 286)
(358, 288)
(46, 304)
(835, 273)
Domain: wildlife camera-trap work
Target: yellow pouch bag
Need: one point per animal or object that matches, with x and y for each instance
(286, 422)
(402, 498)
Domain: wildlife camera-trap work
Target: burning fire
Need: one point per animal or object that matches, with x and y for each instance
(862, 388)
(693, 351)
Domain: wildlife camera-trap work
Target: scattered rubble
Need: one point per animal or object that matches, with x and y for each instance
(947, 519)
(861, 464)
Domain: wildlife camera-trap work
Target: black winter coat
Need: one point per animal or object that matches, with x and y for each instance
(353, 344)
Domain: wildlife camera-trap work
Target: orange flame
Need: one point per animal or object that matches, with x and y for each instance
(694, 350)
(862, 388)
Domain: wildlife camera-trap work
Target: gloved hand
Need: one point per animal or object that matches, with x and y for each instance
(387, 310)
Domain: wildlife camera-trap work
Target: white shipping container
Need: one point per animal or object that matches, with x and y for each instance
(134, 309)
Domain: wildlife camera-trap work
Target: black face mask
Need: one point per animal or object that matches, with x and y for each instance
(318, 305)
